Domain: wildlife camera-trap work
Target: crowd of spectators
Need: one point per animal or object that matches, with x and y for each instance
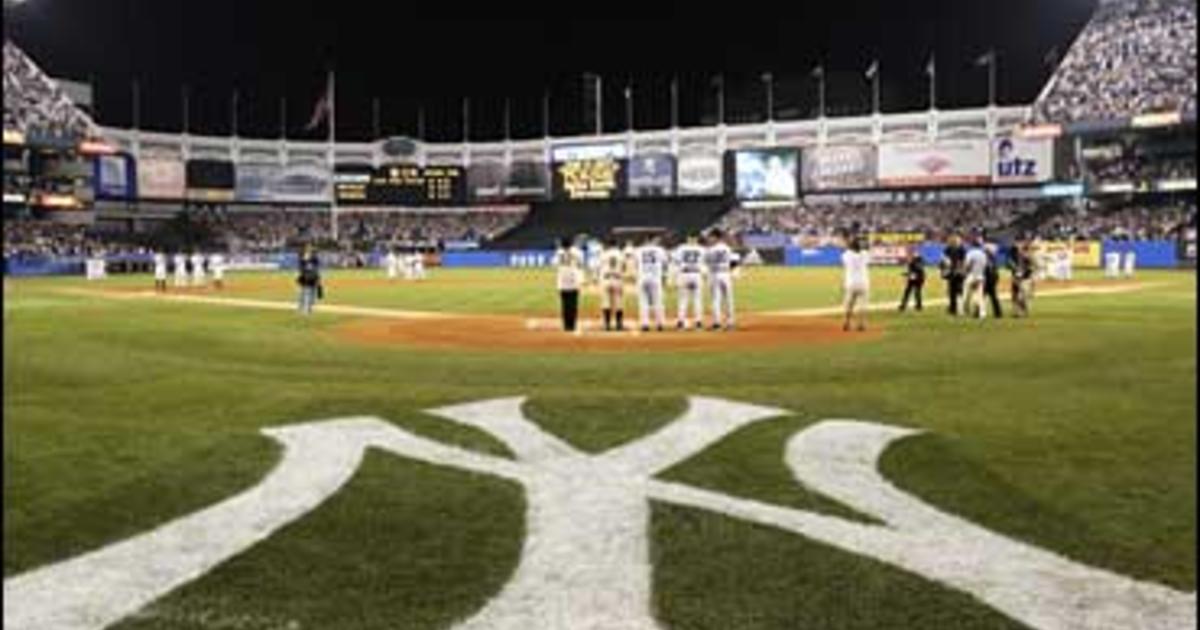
(33, 100)
(46, 239)
(1133, 220)
(827, 223)
(429, 228)
(1133, 57)
(1137, 169)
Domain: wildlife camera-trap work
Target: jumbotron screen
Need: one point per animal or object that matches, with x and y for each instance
(601, 178)
(411, 185)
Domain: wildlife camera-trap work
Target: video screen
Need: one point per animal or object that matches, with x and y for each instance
(767, 174)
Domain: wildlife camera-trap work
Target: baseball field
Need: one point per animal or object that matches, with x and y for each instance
(435, 455)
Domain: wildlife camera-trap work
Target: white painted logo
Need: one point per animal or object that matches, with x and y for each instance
(585, 562)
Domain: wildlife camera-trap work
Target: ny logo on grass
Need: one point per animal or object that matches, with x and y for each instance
(585, 562)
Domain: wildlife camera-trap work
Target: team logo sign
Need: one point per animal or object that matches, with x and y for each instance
(585, 563)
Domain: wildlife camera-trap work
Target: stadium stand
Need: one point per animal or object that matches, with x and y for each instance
(32, 100)
(547, 222)
(1133, 57)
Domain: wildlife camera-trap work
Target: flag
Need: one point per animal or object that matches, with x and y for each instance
(873, 71)
(322, 108)
(986, 58)
(1051, 57)
(818, 72)
(931, 66)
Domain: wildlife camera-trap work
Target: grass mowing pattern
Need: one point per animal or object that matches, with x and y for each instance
(1074, 430)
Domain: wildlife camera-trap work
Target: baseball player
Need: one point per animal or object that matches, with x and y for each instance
(391, 264)
(1021, 264)
(991, 279)
(198, 279)
(417, 262)
(651, 260)
(595, 249)
(160, 272)
(1112, 265)
(689, 263)
(856, 283)
(216, 263)
(721, 260)
(1130, 263)
(975, 270)
(181, 271)
(613, 269)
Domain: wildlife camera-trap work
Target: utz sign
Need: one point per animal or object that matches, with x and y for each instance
(1021, 161)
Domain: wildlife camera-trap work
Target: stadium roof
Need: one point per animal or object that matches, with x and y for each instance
(429, 62)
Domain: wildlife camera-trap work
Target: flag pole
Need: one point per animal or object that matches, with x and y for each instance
(674, 102)
(333, 208)
(992, 79)
(931, 70)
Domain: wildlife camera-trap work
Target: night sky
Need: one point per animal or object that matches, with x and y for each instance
(432, 59)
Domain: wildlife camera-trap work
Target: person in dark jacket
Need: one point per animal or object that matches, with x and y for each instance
(991, 279)
(309, 280)
(1020, 263)
(914, 275)
(953, 258)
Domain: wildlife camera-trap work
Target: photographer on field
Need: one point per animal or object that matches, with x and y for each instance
(952, 267)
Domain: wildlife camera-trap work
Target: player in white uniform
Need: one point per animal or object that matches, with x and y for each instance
(1130, 263)
(216, 263)
(569, 262)
(651, 260)
(181, 274)
(613, 269)
(1112, 264)
(391, 265)
(417, 262)
(595, 250)
(689, 263)
(975, 266)
(160, 272)
(856, 283)
(721, 260)
(198, 279)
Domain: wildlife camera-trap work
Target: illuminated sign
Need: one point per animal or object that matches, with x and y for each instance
(1161, 119)
(96, 147)
(1039, 131)
(571, 153)
(1171, 185)
(12, 136)
(1062, 190)
(589, 179)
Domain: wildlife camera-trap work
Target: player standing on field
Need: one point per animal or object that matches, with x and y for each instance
(651, 260)
(198, 269)
(613, 270)
(569, 261)
(689, 261)
(1021, 264)
(216, 263)
(856, 283)
(991, 279)
(181, 273)
(160, 272)
(721, 259)
(975, 268)
(309, 280)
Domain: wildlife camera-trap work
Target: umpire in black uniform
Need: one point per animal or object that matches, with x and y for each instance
(953, 257)
(914, 275)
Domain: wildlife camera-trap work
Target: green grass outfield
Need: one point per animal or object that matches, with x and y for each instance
(1074, 430)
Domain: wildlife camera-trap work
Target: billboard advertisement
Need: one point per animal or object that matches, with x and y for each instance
(485, 180)
(762, 174)
(651, 176)
(115, 177)
(210, 180)
(846, 167)
(160, 177)
(527, 181)
(949, 163)
(600, 178)
(700, 172)
(1022, 161)
(575, 152)
(412, 185)
(256, 181)
(304, 182)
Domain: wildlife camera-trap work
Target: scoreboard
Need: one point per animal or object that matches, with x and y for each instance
(411, 185)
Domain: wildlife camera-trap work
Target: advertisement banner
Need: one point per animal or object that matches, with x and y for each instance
(160, 177)
(766, 174)
(527, 181)
(839, 167)
(652, 175)
(485, 181)
(602, 178)
(949, 163)
(303, 182)
(351, 183)
(114, 177)
(256, 181)
(700, 173)
(1022, 161)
